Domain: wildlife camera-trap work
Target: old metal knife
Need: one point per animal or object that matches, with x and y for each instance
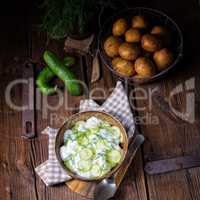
(172, 164)
(28, 99)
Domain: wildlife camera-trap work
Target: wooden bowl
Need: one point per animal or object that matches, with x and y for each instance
(84, 116)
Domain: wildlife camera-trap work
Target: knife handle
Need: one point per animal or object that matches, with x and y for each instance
(133, 147)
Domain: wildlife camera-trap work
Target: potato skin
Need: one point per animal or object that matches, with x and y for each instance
(159, 30)
(150, 43)
(115, 61)
(163, 58)
(144, 67)
(123, 67)
(139, 22)
(111, 46)
(129, 51)
(119, 27)
(132, 35)
(163, 33)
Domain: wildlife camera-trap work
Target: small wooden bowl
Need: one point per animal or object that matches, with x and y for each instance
(84, 116)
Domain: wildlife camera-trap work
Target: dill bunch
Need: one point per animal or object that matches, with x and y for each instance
(72, 17)
(64, 17)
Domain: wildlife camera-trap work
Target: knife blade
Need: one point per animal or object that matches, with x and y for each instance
(172, 164)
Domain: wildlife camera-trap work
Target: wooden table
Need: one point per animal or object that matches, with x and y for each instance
(169, 138)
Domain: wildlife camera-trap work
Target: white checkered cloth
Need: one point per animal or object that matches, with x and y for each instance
(117, 105)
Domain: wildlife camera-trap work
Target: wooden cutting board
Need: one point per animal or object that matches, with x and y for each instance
(82, 187)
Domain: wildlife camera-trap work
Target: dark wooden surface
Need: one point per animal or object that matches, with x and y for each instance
(171, 137)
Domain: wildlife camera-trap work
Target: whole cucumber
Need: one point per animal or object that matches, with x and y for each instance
(60, 70)
(69, 61)
(42, 81)
(46, 75)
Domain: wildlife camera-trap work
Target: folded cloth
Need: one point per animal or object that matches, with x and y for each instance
(117, 105)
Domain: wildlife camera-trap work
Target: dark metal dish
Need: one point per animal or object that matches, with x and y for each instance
(155, 17)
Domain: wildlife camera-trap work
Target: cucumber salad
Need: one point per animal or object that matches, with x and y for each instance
(91, 148)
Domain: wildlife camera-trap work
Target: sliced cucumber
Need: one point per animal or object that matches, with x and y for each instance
(114, 157)
(105, 125)
(64, 153)
(77, 148)
(67, 134)
(107, 144)
(94, 130)
(95, 171)
(102, 145)
(84, 165)
(83, 140)
(80, 126)
(106, 168)
(92, 137)
(116, 132)
(69, 165)
(92, 122)
(91, 133)
(86, 154)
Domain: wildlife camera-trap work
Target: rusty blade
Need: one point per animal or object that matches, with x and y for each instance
(173, 164)
(95, 69)
(28, 101)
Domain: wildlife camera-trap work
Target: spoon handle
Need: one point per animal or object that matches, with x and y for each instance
(133, 147)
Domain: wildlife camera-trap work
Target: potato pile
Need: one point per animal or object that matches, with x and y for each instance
(138, 49)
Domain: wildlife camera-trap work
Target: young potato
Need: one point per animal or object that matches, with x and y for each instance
(151, 43)
(159, 30)
(119, 27)
(163, 58)
(129, 51)
(144, 67)
(132, 35)
(163, 33)
(115, 61)
(123, 67)
(139, 22)
(111, 46)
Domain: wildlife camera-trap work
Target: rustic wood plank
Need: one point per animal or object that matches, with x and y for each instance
(17, 179)
(172, 137)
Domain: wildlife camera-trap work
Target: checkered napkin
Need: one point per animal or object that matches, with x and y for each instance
(117, 105)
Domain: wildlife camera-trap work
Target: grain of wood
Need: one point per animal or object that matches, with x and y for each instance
(172, 137)
(18, 157)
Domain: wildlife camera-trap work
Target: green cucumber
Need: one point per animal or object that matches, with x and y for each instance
(69, 165)
(94, 130)
(84, 165)
(114, 157)
(86, 154)
(105, 169)
(102, 145)
(83, 140)
(59, 69)
(105, 125)
(116, 132)
(80, 125)
(43, 82)
(46, 75)
(69, 61)
(95, 171)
